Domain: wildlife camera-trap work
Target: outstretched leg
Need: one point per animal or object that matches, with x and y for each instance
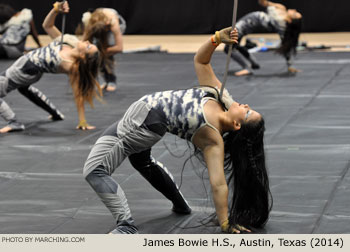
(236, 56)
(112, 195)
(104, 158)
(40, 99)
(109, 77)
(131, 135)
(9, 116)
(160, 178)
(244, 59)
(244, 51)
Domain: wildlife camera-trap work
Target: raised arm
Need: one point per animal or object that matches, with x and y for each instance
(266, 3)
(118, 38)
(49, 21)
(34, 33)
(204, 70)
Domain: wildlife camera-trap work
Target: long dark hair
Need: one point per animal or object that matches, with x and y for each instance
(290, 38)
(6, 12)
(83, 77)
(247, 176)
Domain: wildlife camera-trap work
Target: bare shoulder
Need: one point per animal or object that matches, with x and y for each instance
(266, 3)
(111, 14)
(210, 135)
(278, 6)
(213, 111)
(108, 12)
(206, 137)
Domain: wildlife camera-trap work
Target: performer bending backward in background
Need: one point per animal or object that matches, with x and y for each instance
(79, 60)
(104, 28)
(230, 141)
(286, 22)
(15, 27)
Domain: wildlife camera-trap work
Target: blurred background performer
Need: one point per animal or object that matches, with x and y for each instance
(277, 19)
(15, 27)
(104, 28)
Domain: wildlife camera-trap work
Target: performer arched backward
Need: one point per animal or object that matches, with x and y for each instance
(15, 26)
(78, 59)
(277, 19)
(230, 140)
(105, 27)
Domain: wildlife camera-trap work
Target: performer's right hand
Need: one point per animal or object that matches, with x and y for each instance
(61, 7)
(227, 36)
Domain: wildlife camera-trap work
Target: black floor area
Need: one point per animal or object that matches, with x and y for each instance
(307, 138)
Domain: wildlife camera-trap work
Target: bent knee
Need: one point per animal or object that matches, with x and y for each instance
(101, 181)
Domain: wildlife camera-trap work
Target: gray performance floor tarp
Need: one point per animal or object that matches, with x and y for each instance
(307, 138)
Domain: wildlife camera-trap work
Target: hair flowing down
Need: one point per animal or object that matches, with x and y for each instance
(83, 78)
(247, 176)
(290, 39)
(96, 31)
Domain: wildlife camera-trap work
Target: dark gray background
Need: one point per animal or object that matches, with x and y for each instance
(193, 16)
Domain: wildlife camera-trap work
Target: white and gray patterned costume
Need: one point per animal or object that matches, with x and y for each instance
(260, 21)
(26, 71)
(142, 126)
(182, 109)
(14, 34)
(256, 22)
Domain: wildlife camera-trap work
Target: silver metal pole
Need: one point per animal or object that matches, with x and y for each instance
(63, 27)
(228, 59)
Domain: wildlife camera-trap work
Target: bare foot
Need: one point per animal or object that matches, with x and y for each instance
(243, 72)
(13, 126)
(5, 129)
(110, 87)
(293, 70)
(86, 127)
